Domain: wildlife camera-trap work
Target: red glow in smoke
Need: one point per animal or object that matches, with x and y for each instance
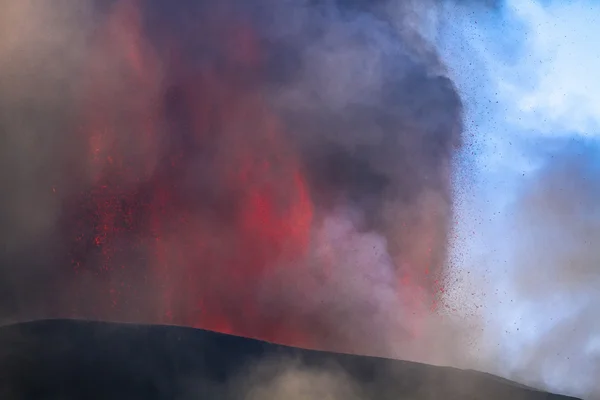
(195, 193)
(139, 158)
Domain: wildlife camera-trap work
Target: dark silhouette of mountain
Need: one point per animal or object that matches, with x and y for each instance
(67, 359)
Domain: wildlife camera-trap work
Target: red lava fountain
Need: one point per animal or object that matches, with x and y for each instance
(217, 188)
(205, 257)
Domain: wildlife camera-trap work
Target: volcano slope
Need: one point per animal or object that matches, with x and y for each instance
(69, 359)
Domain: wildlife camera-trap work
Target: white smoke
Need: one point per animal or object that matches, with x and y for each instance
(528, 72)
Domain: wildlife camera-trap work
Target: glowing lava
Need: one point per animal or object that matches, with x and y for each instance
(160, 136)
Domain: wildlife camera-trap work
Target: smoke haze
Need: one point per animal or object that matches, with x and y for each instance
(557, 266)
(289, 171)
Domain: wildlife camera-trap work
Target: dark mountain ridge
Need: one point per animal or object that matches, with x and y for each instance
(69, 359)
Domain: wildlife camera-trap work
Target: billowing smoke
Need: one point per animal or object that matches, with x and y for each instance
(275, 169)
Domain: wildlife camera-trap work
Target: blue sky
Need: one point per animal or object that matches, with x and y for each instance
(530, 78)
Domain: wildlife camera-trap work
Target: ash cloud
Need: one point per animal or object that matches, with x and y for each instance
(366, 113)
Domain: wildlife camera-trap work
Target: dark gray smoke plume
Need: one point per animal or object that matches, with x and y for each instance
(267, 168)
